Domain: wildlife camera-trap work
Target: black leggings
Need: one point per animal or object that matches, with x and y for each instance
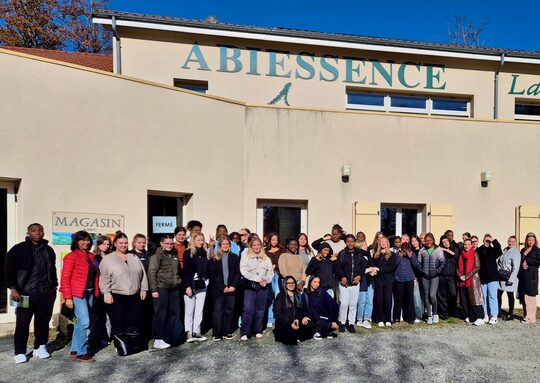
(511, 301)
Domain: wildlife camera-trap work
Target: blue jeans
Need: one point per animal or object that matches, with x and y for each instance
(275, 288)
(79, 341)
(491, 304)
(365, 304)
(253, 315)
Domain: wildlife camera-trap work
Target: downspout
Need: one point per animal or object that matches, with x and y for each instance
(118, 47)
(496, 94)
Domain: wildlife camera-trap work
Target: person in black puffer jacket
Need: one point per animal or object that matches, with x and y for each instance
(325, 266)
(447, 292)
(489, 252)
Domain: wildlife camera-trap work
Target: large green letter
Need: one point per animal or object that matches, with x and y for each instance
(224, 58)
(199, 58)
(350, 69)
(513, 87)
(330, 68)
(273, 63)
(387, 74)
(430, 75)
(401, 74)
(308, 67)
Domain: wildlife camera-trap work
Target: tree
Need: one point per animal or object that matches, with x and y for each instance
(32, 24)
(53, 24)
(466, 32)
(84, 35)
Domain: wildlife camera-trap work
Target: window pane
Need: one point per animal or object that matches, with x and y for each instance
(454, 105)
(388, 221)
(408, 221)
(528, 109)
(282, 220)
(408, 102)
(365, 99)
(194, 88)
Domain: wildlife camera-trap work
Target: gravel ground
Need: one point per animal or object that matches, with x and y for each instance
(507, 352)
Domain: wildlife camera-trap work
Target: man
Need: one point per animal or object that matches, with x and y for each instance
(194, 227)
(335, 240)
(31, 277)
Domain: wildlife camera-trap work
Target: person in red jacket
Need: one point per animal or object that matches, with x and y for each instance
(79, 286)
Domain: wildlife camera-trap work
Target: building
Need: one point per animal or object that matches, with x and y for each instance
(270, 129)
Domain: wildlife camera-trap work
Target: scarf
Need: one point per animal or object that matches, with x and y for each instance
(465, 266)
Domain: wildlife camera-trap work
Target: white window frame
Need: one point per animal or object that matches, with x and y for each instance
(261, 203)
(399, 216)
(9, 316)
(428, 110)
(530, 117)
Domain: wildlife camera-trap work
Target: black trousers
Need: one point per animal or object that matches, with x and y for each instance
(404, 300)
(223, 314)
(511, 301)
(447, 296)
(471, 312)
(98, 337)
(125, 313)
(286, 335)
(323, 327)
(166, 306)
(382, 303)
(41, 308)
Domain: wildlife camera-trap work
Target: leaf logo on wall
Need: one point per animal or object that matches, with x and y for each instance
(283, 94)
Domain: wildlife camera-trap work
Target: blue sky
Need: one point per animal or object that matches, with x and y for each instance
(511, 25)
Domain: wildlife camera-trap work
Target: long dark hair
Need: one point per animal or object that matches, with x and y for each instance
(296, 295)
(309, 250)
(79, 236)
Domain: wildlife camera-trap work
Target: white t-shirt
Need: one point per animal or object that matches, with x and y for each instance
(336, 246)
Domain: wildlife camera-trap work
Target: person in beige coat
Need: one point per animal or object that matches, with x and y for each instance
(292, 263)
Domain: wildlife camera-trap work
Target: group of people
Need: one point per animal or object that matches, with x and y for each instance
(238, 280)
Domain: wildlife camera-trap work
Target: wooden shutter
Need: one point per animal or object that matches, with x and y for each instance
(527, 221)
(441, 218)
(366, 218)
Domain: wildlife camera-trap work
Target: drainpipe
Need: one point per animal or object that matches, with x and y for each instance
(118, 47)
(496, 94)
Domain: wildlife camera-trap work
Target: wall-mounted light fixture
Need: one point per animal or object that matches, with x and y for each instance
(485, 177)
(345, 173)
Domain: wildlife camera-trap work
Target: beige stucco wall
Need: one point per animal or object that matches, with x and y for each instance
(159, 56)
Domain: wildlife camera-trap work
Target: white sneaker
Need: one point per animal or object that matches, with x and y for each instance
(244, 338)
(493, 320)
(21, 358)
(479, 322)
(190, 338)
(359, 323)
(417, 321)
(430, 320)
(380, 324)
(435, 319)
(388, 324)
(486, 319)
(467, 320)
(199, 337)
(161, 344)
(41, 352)
(258, 335)
(317, 336)
(269, 325)
(366, 324)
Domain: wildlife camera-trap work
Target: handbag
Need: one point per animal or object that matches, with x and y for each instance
(129, 343)
(249, 285)
(199, 284)
(504, 275)
(174, 331)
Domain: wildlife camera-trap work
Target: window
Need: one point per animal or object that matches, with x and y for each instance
(429, 105)
(286, 219)
(525, 111)
(399, 220)
(165, 213)
(194, 85)
(8, 205)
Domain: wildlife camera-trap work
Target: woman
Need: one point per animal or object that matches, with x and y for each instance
(365, 297)
(124, 285)
(351, 267)
(373, 246)
(509, 263)
(469, 286)
(528, 278)
(322, 310)
(489, 252)
(256, 268)
(291, 315)
(384, 266)
(404, 284)
(138, 245)
(324, 265)
(291, 263)
(195, 283)
(180, 244)
(164, 281)
(431, 262)
(447, 294)
(418, 303)
(100, 325)
(79, 286)
(224, 274)
(304, 249)
(273, 250)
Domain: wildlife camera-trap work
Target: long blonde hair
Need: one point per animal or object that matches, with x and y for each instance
(252, 253)
(192, 248)
(387, 252)
(219, 253)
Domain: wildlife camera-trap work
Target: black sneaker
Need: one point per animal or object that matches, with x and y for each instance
(229, 336)
(331, 335)
(351, 328)
(509, 317)
(341, 328)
